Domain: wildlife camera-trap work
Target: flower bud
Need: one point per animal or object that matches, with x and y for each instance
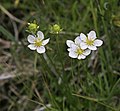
(116, 20)
(55, 29)
(32, 27)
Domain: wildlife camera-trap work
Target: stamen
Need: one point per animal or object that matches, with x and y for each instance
(79, 51)
(38, 42)
(89, 42)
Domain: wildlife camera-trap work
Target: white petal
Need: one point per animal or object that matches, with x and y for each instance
(72, 54)
(83, 37)
(69, 49)
(32, 46)
(31, 38)
(81, 56)
(91, 35)
(40, 35)
(83, 45)
(98, 42)
(87, 52)
(44, 42)
(41, 49)
(74, 47)
(78, 40)
(92, 47)
(69, 42)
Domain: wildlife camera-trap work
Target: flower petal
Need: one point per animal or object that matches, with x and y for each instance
(41, 49)
(32, 46)
(74, 47)
(91, 35)
(83, 37)
(83, 45)
(72, 54)
(31, 38)
(78, 40)
(69, 42)
(87, 52)
(69, 49)
(92, 47)
(81, 56)
(44, 42)
(98, 42)
(40, 35)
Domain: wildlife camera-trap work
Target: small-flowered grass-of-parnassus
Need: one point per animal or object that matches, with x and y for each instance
(90, 41)
(75, 50)
(83, 45)
(37, 42)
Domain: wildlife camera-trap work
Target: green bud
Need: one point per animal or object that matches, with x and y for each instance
(32, 27)
(116, 20)
(55, 29)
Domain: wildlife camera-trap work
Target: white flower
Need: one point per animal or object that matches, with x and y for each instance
(75, 50)
(90, 41)
(37, 43)
(70, 42)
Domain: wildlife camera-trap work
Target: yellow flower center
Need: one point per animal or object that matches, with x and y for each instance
(79, 51)
(89, 42)
(38, 43)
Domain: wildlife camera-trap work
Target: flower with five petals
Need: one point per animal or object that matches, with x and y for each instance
(90, 41)
(37, 43)
(75, 50)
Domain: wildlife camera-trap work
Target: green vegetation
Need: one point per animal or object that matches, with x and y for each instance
(30, 81)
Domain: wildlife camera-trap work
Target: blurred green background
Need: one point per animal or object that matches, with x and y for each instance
(95, 80)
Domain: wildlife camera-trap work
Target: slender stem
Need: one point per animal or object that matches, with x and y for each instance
(35, 63)
(72, 71)
(69, 33)
(49, 92)
(57, 40)
(95, 100)
(52, 64)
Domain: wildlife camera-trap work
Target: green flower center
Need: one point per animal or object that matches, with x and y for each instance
(79, 51)
(38, 43)
(89, 42)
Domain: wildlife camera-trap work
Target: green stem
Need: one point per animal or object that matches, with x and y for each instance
(69, 33)
(61, 61)
(94, 100)
(72, 73)
(35, 63)
(50, 94)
